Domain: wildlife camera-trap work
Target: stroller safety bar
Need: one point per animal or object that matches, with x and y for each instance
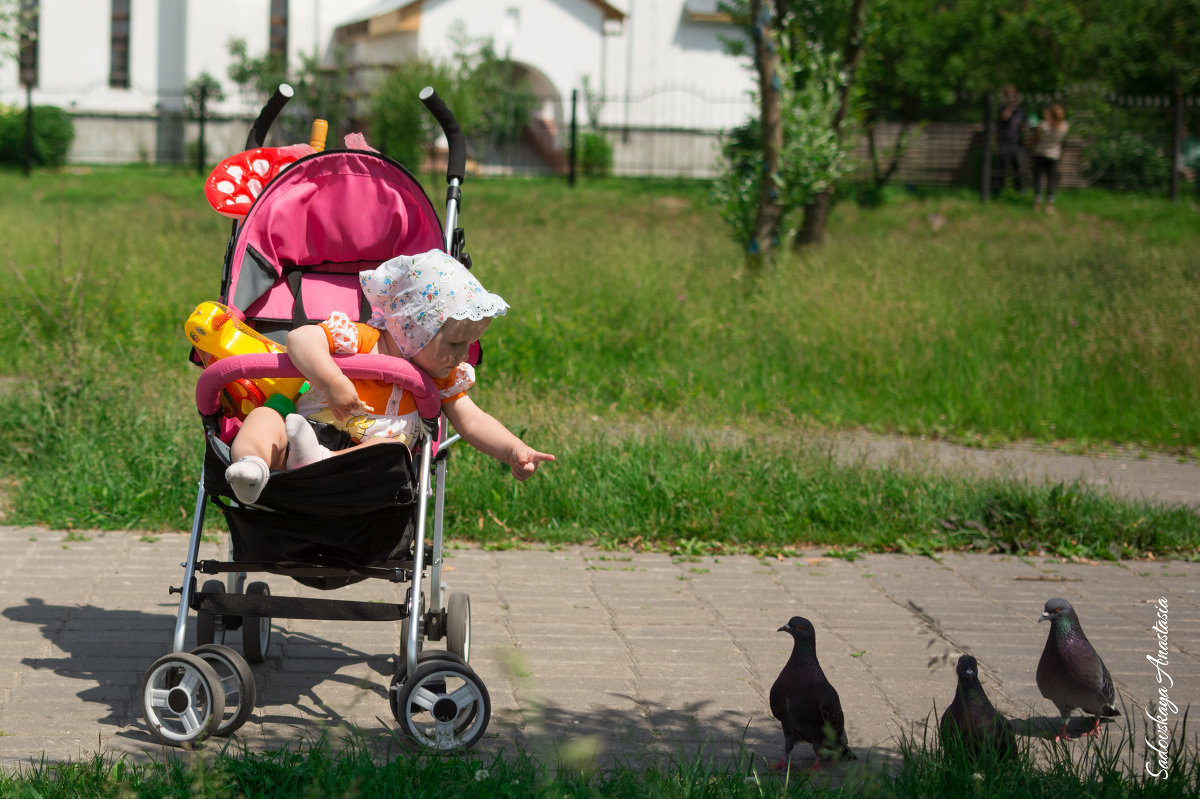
(364, 367)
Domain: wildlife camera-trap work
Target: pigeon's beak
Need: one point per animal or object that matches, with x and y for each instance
(1044, 617)
(782, 629)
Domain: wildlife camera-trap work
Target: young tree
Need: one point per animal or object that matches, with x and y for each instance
(816, 212)
(804, 91)
(771, 77)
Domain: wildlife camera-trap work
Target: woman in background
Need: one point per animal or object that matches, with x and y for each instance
(1047, 150)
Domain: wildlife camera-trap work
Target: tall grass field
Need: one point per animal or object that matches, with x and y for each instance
(682, 395)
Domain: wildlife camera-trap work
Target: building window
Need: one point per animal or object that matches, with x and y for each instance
(27, 42)
(118, 70)
(279, 30)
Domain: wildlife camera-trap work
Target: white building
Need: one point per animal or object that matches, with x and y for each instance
(107, 60)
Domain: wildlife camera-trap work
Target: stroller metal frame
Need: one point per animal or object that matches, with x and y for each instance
(190, 695)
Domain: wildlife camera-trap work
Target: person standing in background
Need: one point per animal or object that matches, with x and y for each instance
(1010, 126)
(1047, 150)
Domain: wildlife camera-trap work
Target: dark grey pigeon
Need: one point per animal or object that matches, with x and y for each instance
(1070, 673)
(805, 703)
(972, 722)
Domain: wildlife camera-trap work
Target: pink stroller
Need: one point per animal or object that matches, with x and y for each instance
(292, 260)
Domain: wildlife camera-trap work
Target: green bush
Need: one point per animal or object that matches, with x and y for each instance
(595, 156)
(491, 100)
(53, 132)
(400, 126)
(1126, 162)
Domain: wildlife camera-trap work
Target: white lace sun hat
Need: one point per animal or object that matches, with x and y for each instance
(414, 295)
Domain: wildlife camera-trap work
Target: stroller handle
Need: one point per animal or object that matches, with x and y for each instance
(364, 367)
(456, 160)
(258, 131)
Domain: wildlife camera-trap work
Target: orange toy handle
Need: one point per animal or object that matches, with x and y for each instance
(316, 139)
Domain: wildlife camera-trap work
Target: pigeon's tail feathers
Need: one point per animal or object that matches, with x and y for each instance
(836, 746)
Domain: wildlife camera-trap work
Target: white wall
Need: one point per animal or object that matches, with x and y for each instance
(74, 55)
(560, 38)
(173, 41)
(662, 60)
(74, 47)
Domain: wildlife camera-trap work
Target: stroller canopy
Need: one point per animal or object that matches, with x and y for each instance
(297, 254)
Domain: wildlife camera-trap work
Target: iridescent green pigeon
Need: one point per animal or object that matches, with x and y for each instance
(1070, 673)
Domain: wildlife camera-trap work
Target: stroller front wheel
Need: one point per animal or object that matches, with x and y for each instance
(443, 705)
(182, 699)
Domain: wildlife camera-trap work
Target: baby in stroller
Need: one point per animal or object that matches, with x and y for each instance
(426, 308)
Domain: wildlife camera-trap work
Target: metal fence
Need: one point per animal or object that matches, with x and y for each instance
(677, 131)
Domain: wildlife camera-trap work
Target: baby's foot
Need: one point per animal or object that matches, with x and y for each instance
(303, 447)
(248, 477)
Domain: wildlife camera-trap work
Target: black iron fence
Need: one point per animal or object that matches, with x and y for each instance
(1125, 143)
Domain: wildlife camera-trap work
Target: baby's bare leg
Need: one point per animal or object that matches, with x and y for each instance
(262, 434)
(259, 446)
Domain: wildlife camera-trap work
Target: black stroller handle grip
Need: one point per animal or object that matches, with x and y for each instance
(258, 131)
(456, 162)
(365, 367)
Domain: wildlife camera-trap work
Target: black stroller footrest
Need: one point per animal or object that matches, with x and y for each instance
(289, 607)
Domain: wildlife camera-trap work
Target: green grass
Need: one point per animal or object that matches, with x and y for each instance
(350, 768)
(688, 495)
(631, 312)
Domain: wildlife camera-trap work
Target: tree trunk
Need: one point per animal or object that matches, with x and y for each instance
(882, 175)
(1176, 139)
(816, 215)
(770, 210)
(816, 212)
(985, 173)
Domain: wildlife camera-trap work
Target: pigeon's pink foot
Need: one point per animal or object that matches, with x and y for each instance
(780, 765)
(1095, 730)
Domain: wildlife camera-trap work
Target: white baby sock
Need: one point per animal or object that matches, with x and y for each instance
(303, 447)
(248, 477)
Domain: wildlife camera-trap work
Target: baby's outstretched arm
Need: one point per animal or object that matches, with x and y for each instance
(485, 433)
(308, 349)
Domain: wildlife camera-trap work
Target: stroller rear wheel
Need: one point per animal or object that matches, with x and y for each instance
(443, 705)
(237, 682)
(182, 699)
(256, 630)
(210, 627)
(458, 624)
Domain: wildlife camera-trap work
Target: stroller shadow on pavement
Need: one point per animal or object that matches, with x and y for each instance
(100, 655)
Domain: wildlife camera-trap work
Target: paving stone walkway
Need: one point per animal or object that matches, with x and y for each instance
(629, 653)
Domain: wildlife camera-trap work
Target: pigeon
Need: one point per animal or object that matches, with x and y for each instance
(972, 722)
(1070, 673)
(805, 703)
